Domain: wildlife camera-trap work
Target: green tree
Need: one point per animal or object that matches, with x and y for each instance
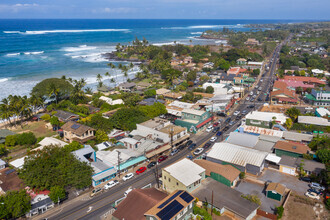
(209, 89)
(150, 93)
(191, 76)
(73, 146)
(54, 121)
(57, 193)
(43, 88)
(288, 123)
(101, 136)
(14, 204)
(324, 155)
(54, 91)
(3, 150)
(293, 113)
(10, 140)
(279, 211)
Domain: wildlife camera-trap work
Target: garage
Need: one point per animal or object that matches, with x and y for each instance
(288, 170)
(288, 165)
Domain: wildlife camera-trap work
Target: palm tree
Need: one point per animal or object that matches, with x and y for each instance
(131, 65)
(53, 91)
(5, 111)
(35, 102)
(139, 75)
(99, 80)
(125, 70)
(171, 76)
(88, 90)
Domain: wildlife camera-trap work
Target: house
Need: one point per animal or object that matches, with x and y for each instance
(127, 86)
(143, 85)
(311, 120)
(137, 203)
(49, 141)
(178, 205)
(4, 133)
(266, 143)
(64, 116)
(194, 120)
(9, 181)
(40, 202)
(234, 71)
(318, 98)
(102, 171)
(175, 61)
(208, 65)
(103, 89)
(264, 119)
(116, 134)
(162, 91)
(18, 163)
(2, 164)
(225, 174)
(322, 112)
(188, 60)
(245, 159)
(104, 145)
(253, 65)
(275, 191)
(110, 101)
(288, 165)
(229, 202)
(74, 131)
(292, 165)
(282, 95)
(171, 96)
(151, 101)
(219, 88)
(182, 175)
(92, 109)
(241, 61)
(317, 72)
(251, 41)
(290, 148)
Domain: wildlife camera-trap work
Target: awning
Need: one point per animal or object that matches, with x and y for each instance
(158, 151)
(104, 174)
(181, 139)
(273, 158)
(204, 122)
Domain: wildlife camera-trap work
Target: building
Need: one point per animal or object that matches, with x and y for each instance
(103, 89)
(137, 202)
(151, 101)
(2, 164)
(245, 159)
(275, 191)
(306, 80)
(4, 133)
(310, 120)
(194, 120)
(293, 85)
(290, 148)
(40, 202)
(255, 65)
(282, 95)
(9, 181)
(293, 165)
(143, 85)
(251, 41)
(182, 175)
(288, 165)
(110, 101)
(241, 61)
(225, 174)
(266, 143)
(73, 131)
(260, 130)
(127, 86)
(104, 145)
(208, 65)
(318, 98)
(162, 91)
(235, 71)
(178, 205)
(18, 163)
(66, 116)
(242, 139)
(322, 112)
(229, 202)
(188, 60)
(264, 119)
(49, 141)
(102, 171)
(297, 137)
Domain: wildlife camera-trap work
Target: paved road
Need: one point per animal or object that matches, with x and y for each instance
(94, 208)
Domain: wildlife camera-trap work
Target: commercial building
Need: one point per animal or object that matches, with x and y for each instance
(178, 205)
(322, 112)
(318, 98)
(297, 137)
(182, 175)
(242, 139)
(73, 131)
(245, 159)
(290, 148)
(282, 95)
(241, 61)
(264, 119)
(229, 202)
(310, 120)
(194, 120)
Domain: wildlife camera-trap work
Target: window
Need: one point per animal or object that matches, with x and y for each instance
(164, 177)
(177, 183)
(169, 179)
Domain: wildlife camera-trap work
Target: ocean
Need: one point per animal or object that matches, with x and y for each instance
(32, 50)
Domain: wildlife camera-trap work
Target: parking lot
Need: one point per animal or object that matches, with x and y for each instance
(267, 204)
(290, 182)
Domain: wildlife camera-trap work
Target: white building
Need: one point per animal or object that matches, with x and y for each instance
(50, 141)
(110, 101)
(257, 117)
(313, 120)
(219, 88)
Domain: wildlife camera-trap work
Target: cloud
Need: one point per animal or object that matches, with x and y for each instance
(18, 7)
(121, 10)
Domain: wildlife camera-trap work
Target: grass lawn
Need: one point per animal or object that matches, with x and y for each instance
(37, 128)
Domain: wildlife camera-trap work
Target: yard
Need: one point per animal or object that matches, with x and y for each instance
(39, 129)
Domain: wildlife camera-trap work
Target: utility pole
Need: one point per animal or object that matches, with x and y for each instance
(156, 175)
(171, 135)
(118, 171)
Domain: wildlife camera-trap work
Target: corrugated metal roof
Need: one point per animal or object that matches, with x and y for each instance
(242, 139)
(237, 155)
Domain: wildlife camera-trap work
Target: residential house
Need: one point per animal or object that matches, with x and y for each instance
(229, 202)
(172, 96)
(264, 119)
(127, 86)
(208, 65)
(138, 202)
(49, 141)
(241, 61)
(110, 101)
(162, 91)
(318, 98)
(194, 120)
(219, 88)
(104, 145)
(254, 65)
(245, 159)
(103, 89)
(175, 61)
(182, 175)
(116, 134)
(188, 60)
(225, 174)
(2, 164)
(40, 202)
(143, 85)
(235, 71)
(282, 95)
(311, 120)
(102, 171)
(4, 133)
(66, 116)
(92, 109)
(290, 148)
(178, 205)
(297, 137)
(251, 41)
(151, 101)
(18, 163)
(275, 191)
(9, 181)
(293, 165)
(74, 131)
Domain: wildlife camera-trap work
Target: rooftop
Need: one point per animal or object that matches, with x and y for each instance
(288, 161)
(64, 115)
(193, 112)
(242, 139)
(76, 128)
(276, 187)
(172, 128)
(156, 123)
(313, 120)
(304, 79)
(185, 171)
(295, 136)
(265, 131)
(291, 146)
(266, 116)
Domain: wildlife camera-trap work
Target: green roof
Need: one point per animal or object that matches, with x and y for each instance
(5, 132)
(311, 97)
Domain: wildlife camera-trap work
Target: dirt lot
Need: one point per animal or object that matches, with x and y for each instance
(275, 108)
(38, 128)
(300, 207)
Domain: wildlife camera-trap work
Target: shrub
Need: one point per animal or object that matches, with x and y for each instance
(202, 212)
(45, 117)
(10, 140)
(279, 211)
(26, 138)
(252, 198)
(242, 175)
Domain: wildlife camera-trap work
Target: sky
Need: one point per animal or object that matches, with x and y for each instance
(167, 9)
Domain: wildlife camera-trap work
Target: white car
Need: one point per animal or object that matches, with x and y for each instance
(309, 108)
(312, 195)
(198, 151)
(213, 139)
(111, 184)
(251, 93)
(127, 191)
(236, 113)
(128, 176)
(209, 129)
(247, 98)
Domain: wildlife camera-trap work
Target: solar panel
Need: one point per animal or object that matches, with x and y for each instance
(9, 171)
(75, 126)
(169, 200)
(171, 210)
(186, 197)
(106, 144)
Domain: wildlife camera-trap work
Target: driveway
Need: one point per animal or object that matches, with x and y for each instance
(290, 182)
(267, 204)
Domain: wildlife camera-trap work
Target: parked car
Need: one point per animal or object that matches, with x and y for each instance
(128, 191)
(219, 133)
(244, 112)
(207, 145)
(306, 179)
(181, 147)
(128, 176)
(162, 158)
(216, 129)
(209, 129)
(151, 164)
(259, 99)
(174, 151)
(312, 195)
(213, 139)
(192, 146)
(189, 157)
(247, 98)
(236, 113)
(318, 192)
(251, 106)
(140, 170)
(96, 191)
(111, 184)
(231, 123)
(221, 114)
(189, 142)
(215, 124)
(251, 93)
(316, 186)
(198, 151)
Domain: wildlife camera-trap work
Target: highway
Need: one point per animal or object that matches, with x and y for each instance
(100, 205)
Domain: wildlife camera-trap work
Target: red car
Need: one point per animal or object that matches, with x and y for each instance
(141, 170)
(215, 124)
(162, 158)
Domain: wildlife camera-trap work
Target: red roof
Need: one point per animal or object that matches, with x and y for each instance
(304, 79)
(296, 84)
(204, 122)
(288, 100)
(33, 193)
